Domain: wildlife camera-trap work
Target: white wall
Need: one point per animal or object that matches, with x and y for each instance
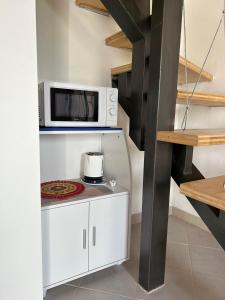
(202, 18)
(62, 155)
(71, 44)
(20, 228)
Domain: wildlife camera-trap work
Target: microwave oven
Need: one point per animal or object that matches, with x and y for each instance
(75, 105)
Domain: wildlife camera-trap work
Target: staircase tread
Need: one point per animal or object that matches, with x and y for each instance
(203, 99)
(193, 137)
(206, 99)
(121, 69)
(193, 72)
(210, 191)
(95, 5)
(119, 40)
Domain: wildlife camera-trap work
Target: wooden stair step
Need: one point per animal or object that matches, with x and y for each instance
(193, 137)
(210, 191)
(119, 40)
(94, 5)
(193, 72)
(204, 99)
(121, 69)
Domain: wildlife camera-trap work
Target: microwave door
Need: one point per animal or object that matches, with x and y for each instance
(84, 111)
(74, 107)
(86, 106)
(80, 110)
(68, 105)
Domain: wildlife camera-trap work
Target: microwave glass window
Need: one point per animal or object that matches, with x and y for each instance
(74, 105)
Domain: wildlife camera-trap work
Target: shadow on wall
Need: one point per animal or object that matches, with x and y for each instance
(137, 164)
(71, 44)
(53, 39)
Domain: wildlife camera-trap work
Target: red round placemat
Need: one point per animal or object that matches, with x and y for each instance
(61, 189)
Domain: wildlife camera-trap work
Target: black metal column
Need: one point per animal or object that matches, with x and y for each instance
(140, 77)
(164, 58)
(127, 15)
(222, 218)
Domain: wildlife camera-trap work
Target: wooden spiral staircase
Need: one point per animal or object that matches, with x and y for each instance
(163, 143)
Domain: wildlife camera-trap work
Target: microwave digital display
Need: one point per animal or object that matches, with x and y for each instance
(74, 105)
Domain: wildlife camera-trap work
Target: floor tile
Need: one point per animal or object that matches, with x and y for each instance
(209, 287)
(177, 231)
(197, 236)
(178, 286)
(115, 280)
(83, 294)
(61, 292)
(117, 297)
(178, 257)
(207, 261)
(135, 242)
(132, 268)
(75, 283)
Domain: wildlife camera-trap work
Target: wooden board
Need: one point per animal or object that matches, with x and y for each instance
(119, 40)
(95, 5)
(206, 99)
(122, 69)
(193, 137)
(193, 72)
(209, 191)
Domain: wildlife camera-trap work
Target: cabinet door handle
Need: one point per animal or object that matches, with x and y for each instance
(94, 236)
(84, 239)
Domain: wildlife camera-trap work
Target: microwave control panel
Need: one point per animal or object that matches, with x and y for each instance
(112, 106)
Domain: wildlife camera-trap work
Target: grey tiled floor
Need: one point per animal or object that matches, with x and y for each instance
(195, 270)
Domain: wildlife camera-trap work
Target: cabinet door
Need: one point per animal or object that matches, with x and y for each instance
(108, 231)
(65, 242)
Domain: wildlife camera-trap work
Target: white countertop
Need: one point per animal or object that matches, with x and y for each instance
(90, 193)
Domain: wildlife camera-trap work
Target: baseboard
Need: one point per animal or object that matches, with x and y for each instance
(183, 215)
(136, 218)
(189, 218)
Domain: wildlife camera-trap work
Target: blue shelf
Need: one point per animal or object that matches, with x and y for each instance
(78, 130)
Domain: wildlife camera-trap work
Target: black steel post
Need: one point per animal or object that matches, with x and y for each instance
(182, 158)
(124, 88)
(140, 77)
(222, 218)
(163, 63)
(126, 13)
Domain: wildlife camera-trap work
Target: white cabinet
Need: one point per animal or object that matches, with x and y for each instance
(108, 231)
(65, 244)
(81, 237)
